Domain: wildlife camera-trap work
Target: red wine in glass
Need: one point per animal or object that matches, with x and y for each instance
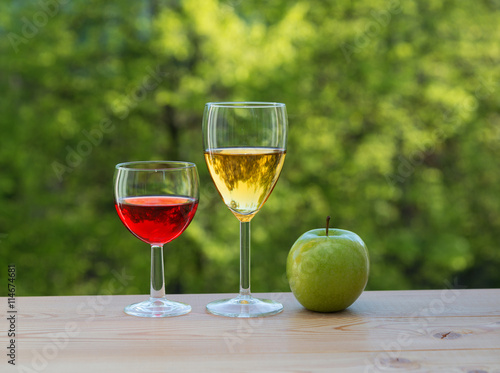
(156, 219)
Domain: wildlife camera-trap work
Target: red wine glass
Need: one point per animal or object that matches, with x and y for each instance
(156, 201)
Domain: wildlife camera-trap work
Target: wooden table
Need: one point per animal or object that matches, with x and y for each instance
(450, 330)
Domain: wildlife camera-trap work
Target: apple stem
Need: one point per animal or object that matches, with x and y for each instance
(327, 225)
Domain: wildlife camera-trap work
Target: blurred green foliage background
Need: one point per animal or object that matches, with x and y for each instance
(394, 111)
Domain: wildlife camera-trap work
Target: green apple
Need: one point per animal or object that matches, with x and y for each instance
(328, 269)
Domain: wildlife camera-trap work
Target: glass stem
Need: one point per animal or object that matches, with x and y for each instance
(244, 258)
(157, 275)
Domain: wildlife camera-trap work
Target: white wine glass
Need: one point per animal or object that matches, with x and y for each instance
(245, 147)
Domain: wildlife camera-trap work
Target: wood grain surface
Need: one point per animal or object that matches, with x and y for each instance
(449, 330)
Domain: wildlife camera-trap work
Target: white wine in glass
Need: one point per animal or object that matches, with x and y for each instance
(245, 148)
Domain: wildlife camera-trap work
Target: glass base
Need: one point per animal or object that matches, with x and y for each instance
(157, 307)
(244, 306)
